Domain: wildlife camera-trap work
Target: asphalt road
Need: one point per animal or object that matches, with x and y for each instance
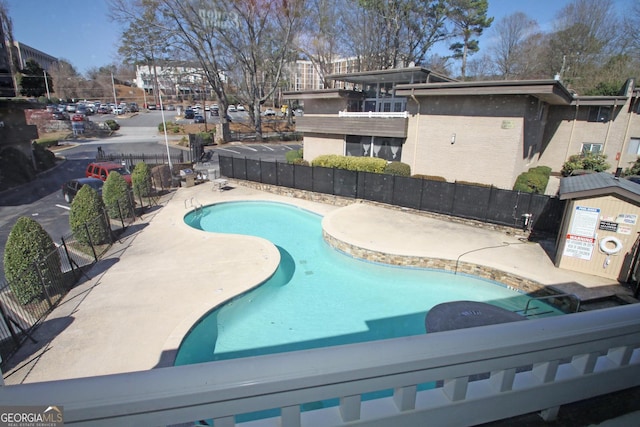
(42, 199)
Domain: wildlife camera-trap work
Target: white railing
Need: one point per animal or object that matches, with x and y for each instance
(481, 374)
(373, 114)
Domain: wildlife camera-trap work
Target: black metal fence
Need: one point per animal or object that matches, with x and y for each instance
(493, 205)
(151, 159)
(49, 279)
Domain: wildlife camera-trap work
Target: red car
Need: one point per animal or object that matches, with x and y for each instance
(101, 170)
(77, 117)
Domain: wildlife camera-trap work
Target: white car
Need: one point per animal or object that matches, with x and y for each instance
(231, 109)
(268, 112)
(240, 107)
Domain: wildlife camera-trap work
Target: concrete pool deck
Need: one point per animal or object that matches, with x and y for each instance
(162, 276)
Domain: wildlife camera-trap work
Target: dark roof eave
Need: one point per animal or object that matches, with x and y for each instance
(599, 100)
(550, 91)
(323, 94)
(393, 75)
(598, 184)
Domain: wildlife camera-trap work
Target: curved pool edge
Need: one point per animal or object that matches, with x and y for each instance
(271, 258)
(349, 237)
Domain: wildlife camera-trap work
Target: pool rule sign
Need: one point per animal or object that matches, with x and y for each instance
(581, 237)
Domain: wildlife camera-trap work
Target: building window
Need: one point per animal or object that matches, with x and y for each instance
(366, 146)
(599, 114)
(591, 148)
(634, 146)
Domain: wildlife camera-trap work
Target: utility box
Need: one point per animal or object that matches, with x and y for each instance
(600, 226)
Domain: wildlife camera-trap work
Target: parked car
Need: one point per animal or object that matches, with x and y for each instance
(101, 170)
(189, 113)
(71, 108)
(198, 118)
(77, 117)
(151, 106)
(269, 112)
(103, 109)
(133, 107)
(71, 187)
(60, 115)
(240, 108)
(231, 109)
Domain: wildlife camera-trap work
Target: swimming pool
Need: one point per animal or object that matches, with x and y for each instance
(319, 296)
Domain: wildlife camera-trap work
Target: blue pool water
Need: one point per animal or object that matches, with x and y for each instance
(319, 296)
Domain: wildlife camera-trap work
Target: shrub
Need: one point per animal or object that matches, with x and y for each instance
(634, 169)
(207, 138)
(44, 158)
(115, 194)
(398, 168)
(293, 155)
(586, 161)
(86, 218)
(141, 180)
(360, 164)
(533, 181)
(28, 244)
(15, 168)
(171, 127)
(430, 177)
(113, 125)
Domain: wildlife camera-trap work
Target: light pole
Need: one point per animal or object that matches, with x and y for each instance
(46, 84)
(166, 138)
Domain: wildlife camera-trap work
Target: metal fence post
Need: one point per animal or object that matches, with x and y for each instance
(93, 249)
(44, 285)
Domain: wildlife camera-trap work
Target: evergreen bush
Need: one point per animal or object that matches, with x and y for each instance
(292, 156)
(594, 162)
(113, 125)
(398, 168)
(115, 194)
(533, 181)
(141, 180)
(86, 215)
(28, 245)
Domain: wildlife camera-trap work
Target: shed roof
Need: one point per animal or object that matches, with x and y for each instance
(599, 184)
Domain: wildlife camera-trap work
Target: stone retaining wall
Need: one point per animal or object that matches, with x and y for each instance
(509, 280)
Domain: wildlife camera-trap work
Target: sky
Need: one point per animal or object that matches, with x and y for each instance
(81, 32)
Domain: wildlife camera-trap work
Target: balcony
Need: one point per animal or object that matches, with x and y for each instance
(381, 124)
(474, 376)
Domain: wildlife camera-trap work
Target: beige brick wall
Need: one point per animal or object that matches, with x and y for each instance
(316, 145)
(324, 106)
(489, 145)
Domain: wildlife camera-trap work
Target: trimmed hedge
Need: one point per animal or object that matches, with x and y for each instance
(360, 164)
(28, 244)
(115, 194)
(533, 181)
(589, 161)
(141, 180)
(86, 216)
(293, 156)
(398, 168)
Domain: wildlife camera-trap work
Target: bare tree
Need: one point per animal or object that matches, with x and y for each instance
(8, 83)
(322, 39)
(389, 34)
(582, 39)
(512, 33)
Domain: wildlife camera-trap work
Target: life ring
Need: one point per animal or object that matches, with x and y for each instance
(605, 247)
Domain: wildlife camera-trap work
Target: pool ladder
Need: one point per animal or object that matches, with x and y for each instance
(193, 203)
(527, 307)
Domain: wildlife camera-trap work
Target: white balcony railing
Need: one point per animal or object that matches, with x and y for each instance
(480, 374)
(373, 114)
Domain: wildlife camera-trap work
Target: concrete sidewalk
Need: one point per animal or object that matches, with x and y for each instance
(144, 296)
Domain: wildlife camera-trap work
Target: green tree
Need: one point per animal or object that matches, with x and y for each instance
(469, 18)
(115, 194)
(32, 80)
(141, 180)
(30, 258)
(86, 217)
